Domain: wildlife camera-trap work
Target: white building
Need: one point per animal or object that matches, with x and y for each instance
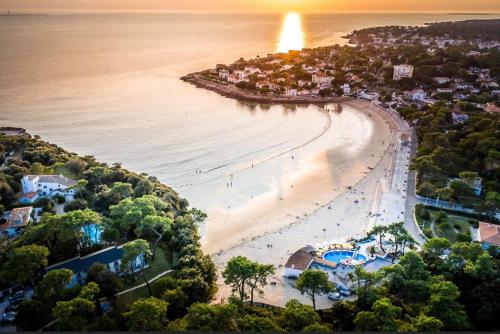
(290, 91)
(415, 95)
(402, 71)
(299, 262)
(346, 89)
(321, 78)
(47, 185)
(442, 80)
(459, 116)
(223, 74)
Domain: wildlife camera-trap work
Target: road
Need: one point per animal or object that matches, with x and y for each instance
(411, 199)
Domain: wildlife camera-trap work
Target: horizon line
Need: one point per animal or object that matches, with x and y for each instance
(169, 11)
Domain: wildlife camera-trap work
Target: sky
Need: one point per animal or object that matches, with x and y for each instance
(453, 6)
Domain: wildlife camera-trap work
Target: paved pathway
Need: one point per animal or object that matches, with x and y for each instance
(144, 284)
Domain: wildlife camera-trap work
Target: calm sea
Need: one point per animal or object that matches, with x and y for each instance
(107, 85)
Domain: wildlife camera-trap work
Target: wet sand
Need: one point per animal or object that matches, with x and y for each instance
(319, 208)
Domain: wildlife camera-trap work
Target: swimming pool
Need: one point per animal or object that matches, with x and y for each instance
(339, 255)
(92, 232)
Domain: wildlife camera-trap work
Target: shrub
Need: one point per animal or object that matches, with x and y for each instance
(77, 204)
(428, 232)
(474, 223)
(462, 237)
(441, 217)
(59, 199)
(444, 226)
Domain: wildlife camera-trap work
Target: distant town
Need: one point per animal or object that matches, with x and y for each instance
(399, 66)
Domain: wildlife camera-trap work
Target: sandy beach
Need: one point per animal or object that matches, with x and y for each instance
(319, 207)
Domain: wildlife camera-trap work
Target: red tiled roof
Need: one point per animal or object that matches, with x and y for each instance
(29, 195)
(19, 217)
(320, 74)
(489, 233)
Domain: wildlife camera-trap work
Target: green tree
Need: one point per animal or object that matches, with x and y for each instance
(379, 231)
(314, 282)
(238, 274)
(343, 314)
(52, 284)
(259, 278)
(109, 283)
(204, 317)
(255, 324)
(77, 314)
(444, 306)
(491, 204)
(425, 323)
(148, 314)
(31, 315)
(318, 328)
(297, 316)
(24, 263)
(136, 253)
(384, 317)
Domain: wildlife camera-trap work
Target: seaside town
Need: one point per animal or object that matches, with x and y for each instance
(91, 246)
(401, 69)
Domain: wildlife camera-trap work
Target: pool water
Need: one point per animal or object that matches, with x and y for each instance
(93, 233)
(338, 255)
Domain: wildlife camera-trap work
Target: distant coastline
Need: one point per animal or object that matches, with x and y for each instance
(246, 95)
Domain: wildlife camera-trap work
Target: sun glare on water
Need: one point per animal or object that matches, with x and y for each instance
(292, 36)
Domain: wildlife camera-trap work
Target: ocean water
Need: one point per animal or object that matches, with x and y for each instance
(108, 85)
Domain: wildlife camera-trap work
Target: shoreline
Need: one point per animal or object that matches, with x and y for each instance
(197, 80)
(330, 215)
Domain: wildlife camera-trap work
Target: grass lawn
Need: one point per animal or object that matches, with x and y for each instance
(456, 224)
(162, 262)
(124, 301)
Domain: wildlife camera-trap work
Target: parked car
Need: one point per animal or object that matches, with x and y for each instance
(344, 291)
(16, 302)
(16, 296)
(8, 317)
(11, 308)
(335, 296)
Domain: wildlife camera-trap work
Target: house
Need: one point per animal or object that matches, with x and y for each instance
(463, 86)
(491, 108)
(19, 218)
(346, 89)
(477, 185)
(459, 116)
(442, 80)
(303, 83)
(489, 235)
(320, 78)
(223, 74)
(444, 90)
(415, 95)
(27, 198)
(299, 262)
(402, 71)
(261, 84)
(110, 257)
(290, 91)
(46, 185)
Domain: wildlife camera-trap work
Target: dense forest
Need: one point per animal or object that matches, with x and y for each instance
(467, 30)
